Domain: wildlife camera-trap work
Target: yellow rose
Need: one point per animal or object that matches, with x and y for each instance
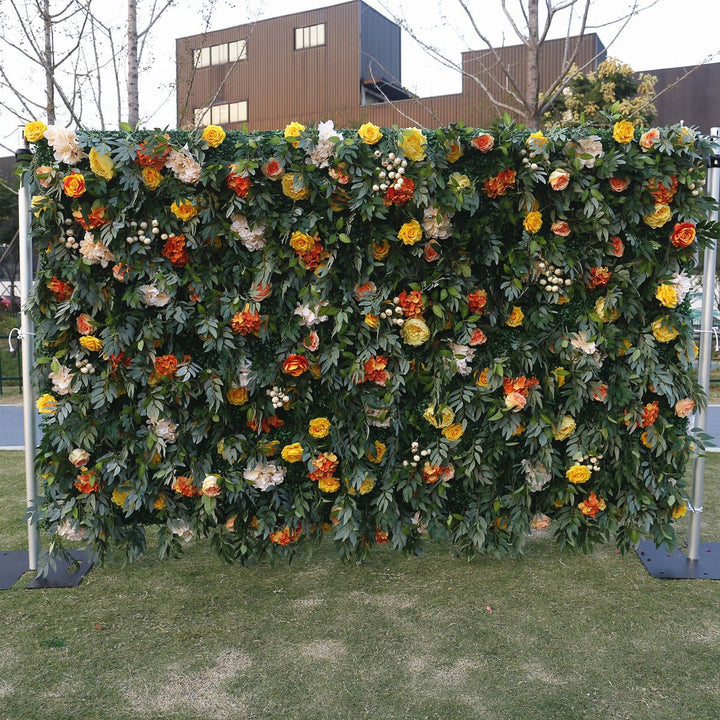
(294, 189)
(101, 164)
(415, 332)
(292, 133)
(35, 131)
(319, 427)
(302, 242)
(566, 428)
(213, 135)
(623, 132)
(413, 144)
(184, 210)
(118, 496)
(482, 378)
(560, 374)
(453, 432)
(536, 142)
(237, 395)
(371, 320)
(159, 503)
(659, 216)
(578, 474)
(533, 221)
(41, 204)
(663, 330)
(369, 133)
(441, 418)
(606, 316)
(453, 151)
(46, 404)
(378, 454)
(516, 317)
(380, 249)
(679, 511)
(667, 295)
(367, 485)
(151, 177)
(410, 232)
(329, 484)
(292, 453)
(90, 342)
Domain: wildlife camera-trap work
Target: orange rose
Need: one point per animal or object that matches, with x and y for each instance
(260, 291)
(380, 249)
(649, 138)
(478, 337)
(618, 184)
(73, 185)
(477, 300)
(295, 365)
(617, 246)
(483, 142)
(683, 234)
(237, 395)
(430, 254)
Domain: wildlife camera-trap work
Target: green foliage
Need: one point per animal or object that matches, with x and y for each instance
(274, 340)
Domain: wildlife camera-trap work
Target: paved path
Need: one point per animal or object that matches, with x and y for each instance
(12, 435)
(12, 432)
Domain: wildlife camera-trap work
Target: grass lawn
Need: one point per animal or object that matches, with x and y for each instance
(557, 636)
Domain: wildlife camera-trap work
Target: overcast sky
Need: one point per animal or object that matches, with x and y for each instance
(672, 33)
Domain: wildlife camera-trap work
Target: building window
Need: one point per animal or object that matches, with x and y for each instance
(310, 36)
(221, 114)
(220, 54)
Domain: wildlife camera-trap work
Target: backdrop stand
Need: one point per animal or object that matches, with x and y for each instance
(702, 561)
(14, 564)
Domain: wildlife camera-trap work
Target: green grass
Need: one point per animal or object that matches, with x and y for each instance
(554, 635)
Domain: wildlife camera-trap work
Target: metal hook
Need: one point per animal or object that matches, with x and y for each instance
(10, 338)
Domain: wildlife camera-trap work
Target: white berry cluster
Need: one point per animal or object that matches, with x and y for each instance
(551, 278)
(84, 366)
(70, 241)
(394, 314)
(392, 172)
(592, 461)
(138, 232)
(278, 396)
(417, 455)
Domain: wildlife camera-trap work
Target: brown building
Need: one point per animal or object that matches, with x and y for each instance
(341, 63)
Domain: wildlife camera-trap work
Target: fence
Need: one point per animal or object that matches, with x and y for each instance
(10, 363)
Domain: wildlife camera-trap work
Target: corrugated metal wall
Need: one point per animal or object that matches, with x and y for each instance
(282, 84)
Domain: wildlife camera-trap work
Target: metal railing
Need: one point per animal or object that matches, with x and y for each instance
(10, 363)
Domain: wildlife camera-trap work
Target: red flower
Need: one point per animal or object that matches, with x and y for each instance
(650, 413)
(97, 218)
(617, 246)
(87, 482)
(61, 290)
(401, 196)
(478, 337)
(520, 385)
(375, 370)
(661, 194)
(498, 185)
(430, 254)
(592, 505)
(411, 303)
(238, 183)
(166, 365)
(599, 277)
(285, 536)
(155, 154)
(185, 486)
(477, 300)
(618, 184)
(174, 250)
(245, 322)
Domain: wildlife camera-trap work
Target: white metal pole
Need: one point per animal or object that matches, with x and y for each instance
(27, 335)
(706, 326)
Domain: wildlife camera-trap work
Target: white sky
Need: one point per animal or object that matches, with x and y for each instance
(672, 33)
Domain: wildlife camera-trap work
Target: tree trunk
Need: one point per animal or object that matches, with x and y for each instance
(532, 83)
(133, 98)
(49, 64)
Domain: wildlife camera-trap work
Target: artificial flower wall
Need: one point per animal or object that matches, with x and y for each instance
(370, 336)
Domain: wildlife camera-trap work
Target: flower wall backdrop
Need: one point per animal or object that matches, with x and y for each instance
(371, 335)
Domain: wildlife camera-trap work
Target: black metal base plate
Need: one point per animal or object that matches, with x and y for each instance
(64, 575)
(13, 565)
(676, 566)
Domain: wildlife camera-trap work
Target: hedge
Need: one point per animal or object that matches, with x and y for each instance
(376, 335)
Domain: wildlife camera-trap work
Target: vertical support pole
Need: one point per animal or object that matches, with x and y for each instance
(27, 335)
(708, 305)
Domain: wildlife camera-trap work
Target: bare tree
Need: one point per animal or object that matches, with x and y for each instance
(517, 89)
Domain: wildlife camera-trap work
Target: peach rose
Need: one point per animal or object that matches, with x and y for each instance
(649, 138)
(84, 324)
(560, 228)
(684, 407)
(211, 485)
(618, 184)
(559, 179)
(515, 401)
(430, 254)
(272, 169)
